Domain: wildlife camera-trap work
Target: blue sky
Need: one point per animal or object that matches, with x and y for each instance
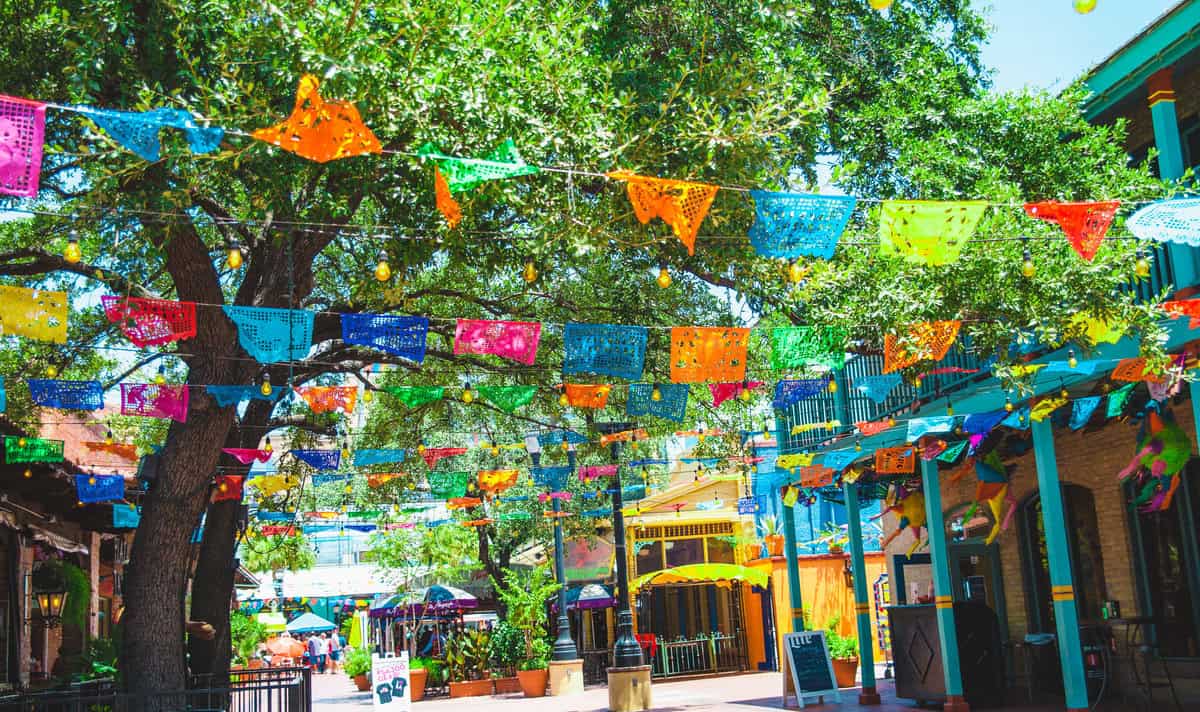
(1046, 44)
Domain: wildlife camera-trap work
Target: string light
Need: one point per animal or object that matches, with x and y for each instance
(745, 395)
(28, 473)
(655, 393)
(833, 386)
(529, 273)
(1064, 392)
(265, 388)
(160, 378)
(72, 253)
(1084, 7)
(268, 446)
(468, 395)
(233, 259)
(1008, 404)
(563, 400)
(797, 272)
(22, 442)
(879, 4)
(1027, 267)
(421, 447)
(368, 395)
(52, 371)
(949, 408)
(92, 480)
(383, 271)
(857, 447)
(1141, 267)
(664, 277)
(1072, 362)
(108, 438)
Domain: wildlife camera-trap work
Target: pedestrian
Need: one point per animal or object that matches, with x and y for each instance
(335, 651)
(316, 653)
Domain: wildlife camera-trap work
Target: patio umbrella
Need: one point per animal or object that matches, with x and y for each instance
(287, 647)
(720, 574)
(447, 597)
(310, 623)
(592, 595)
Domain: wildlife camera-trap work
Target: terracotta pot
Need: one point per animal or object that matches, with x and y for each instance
(750, 552)
(361, 682)
(835, 549)
(471, 688)
(846, 671)
(774, 544)
(507, 685)
(254, 663)
(533, 682)
(416, 683)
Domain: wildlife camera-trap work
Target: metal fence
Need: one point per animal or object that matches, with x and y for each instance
(715, 654)
(261, 690)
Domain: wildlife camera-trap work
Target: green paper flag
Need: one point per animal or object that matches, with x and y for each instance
(1118, 399)
(951, 453)
(466, 173)
(416, 396)
(926, 231)
(32, 450)
(507, 398)
(798, 346)
(514, 517)
(448, 485)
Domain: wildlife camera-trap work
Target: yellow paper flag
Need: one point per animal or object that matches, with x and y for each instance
(34, 314)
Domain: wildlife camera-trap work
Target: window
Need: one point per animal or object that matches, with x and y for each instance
(681, 552)
(1087, 563)
(968, 520)
(720, 551)
(649, 556)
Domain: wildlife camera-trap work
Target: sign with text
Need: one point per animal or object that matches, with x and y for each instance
(389, 684)
(747, 505)
(806, 655)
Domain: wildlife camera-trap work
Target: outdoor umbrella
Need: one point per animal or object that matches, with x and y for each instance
(447, 597)
(286, 647)
(310, 623)
(592, 595)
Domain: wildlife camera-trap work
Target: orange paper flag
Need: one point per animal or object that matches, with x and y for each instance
(1132, 370)
(321, 130)
(584, 396)
(680, 204)
(445, 202)
(496, 481)
(322, 399)
(895, 460)
(928, 340)
(700, 354)
(380, 479)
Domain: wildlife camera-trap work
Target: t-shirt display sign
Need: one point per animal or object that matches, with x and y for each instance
(389, 684)
(811, 667)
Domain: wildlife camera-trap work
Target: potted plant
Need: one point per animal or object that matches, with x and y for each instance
(467, 663)
(843, 650)
(772, 535)
(418, 675)
(357, 666)
(507, 648)
(524, 596)
(535, 669)
(834, 537)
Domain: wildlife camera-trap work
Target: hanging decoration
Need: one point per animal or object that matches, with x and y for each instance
(680, 204)
(90, 489)
(1018, 419)
(701, 354)
(271, 335)
(931, 448)
(838, 460)
(1045, 407)
(790, 392)
(126, 517)
(403, 336)
(1086, 367)
(226, 396)
(320, 460)
(625, 436)
(877, 388)
(791, 225)
(514, 340)
(1133, 369)
(138, 131)
(125, 451)
(992, 489)
(595, 472)
(446, 204)
(983, 423)
(432, 455)
(22, 449)
(953, 452)
(604, 350)
(794, 461)
(462, 174)
(151, 322)
(920, 427)
(722, 392)
(927, 232)
(496, 481)
(1175, 220)
(791, 495)
(671, 404)
(416, 396)
(375, 480)
(1082, 410)
(1084, 224)
(228, 488)
(321, 130)
(930, 340)
(909, 505)
(448, 485)
(579, 395)
(66, 395)
(799, 346)
(814, 476)
(560, 437)
(273, 484)
(323, 399)
(895, 460)
(150, 400)
(33, 313)
(1098, 331)
(1185, 307)
(246, 455)
(378, 456)
(3, 396)
(507, 398)
(869, 428)
(22, 130)
(1117, 400)
(1164, 449)
(463, 503)
(553, 479)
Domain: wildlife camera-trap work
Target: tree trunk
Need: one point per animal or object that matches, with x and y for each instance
(212, 593)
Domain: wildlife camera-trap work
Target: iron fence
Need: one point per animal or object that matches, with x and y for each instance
(707, 655)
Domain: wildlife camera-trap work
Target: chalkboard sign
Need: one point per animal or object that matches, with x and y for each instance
(807, 657)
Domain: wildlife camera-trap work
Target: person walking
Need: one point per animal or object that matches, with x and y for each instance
(335, 651)
(316, 653)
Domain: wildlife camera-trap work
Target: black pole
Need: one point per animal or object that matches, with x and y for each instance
(626, 652)
(564, 644)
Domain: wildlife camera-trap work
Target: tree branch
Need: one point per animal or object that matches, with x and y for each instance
(38, 262)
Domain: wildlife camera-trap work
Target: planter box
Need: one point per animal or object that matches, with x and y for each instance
(416, 686)
(846, 671)
(533, 682)
(507, 685)
(471, 688)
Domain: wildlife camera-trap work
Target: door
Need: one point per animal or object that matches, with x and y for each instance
(975, 576)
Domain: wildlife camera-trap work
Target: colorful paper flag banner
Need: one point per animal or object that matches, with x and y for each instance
(375, 480)
(90, 489)
(125, 451)
(1117, 400)
(3, 396)
(378, 456)
(722, 392)
(869, 428)
(790, 392)
(1084, 224)
(33, 313)
(247, 455)
(671, 405)
(126, 516)
(1133, 369)
(927, 232)
(895, 460)
(416, 396)
(838, 460)
(1045, 407)
(507, 398)
(66, 395)
(558, 437)
(920, 427)
(930, 340)
(151, 322)
(791, 225)
(794, 460)
(1082, 410)
(680, 204)
(321, 460)
(271, 335)
(952, 453)
(22, 131)
(446, 204)
(1184, 307)
(586, 396)
(1175, 220)
(150, 400)
(877, 388)
(21, 449)
(403, 336)
(448, 485)
(605, 350)
(138, 131)
(1017, 420)
(321, 130)
(702, 354)
(747, 505)
(323, 399)
(496, 481)
(816, 476)
(462, 174)
(551, 478)
(228, 488)
(795, 347)
(431, 455)
(514, 340)
(226, 396)
(594, 472)
(983, 423)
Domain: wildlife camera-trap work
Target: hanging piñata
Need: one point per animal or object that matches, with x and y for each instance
(927, 232)
(680, 204)
(910, 506)
(321, 130)
(1164, 449)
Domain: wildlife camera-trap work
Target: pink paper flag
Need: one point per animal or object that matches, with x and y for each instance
(545, 497)
(722, 392)
(516, 340)
(154, 401)
(22, 127)
(592, 472)
(247, 455)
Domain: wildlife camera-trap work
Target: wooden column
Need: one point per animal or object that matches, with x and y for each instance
(862, 603)
(943, 595)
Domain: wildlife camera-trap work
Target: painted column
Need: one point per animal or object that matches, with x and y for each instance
(943, 596)
(1170, 163)
(793, 567)
(1062, 590)
(862, 603)
(93, 623)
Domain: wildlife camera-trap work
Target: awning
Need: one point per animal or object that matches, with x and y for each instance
(58, 541)
(721, 574)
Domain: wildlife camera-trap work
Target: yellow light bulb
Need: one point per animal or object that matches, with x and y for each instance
(655, 394)
(1072, 362)
(857, 447)
(223, 487)
(1084, 7)
(745, 395)
(92, 480)
(495, 451)
(917, 382)
(1008, 406)
(382, 271)
(349, 489)
(52, 371)
(421, 449)
(565, 446)
(108, 438)
(269, 447)
(1141, 267)
(22, 442)
(28, 473)
(233, 260)
(368, 395)
(265, 388)
(664, 277)
(880, 4)
(949, 409)
(564, 401)
(891, 422)
(468, 395)
(833, 386)
(797, 272)
(160, 378)
(72, 253)
(529, 273)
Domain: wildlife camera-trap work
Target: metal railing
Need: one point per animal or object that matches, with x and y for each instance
(261, 690)
(716, 654)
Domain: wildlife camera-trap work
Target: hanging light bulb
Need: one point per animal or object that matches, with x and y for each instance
(368, 395)
(495, 450)
(383, 271)
(833, 386)
(233, 259)
(52, 371)
(421, 448)
(858, 447)
(346, 449)
(766, 429)
(664, 277)
(529, 272)
(160, 378)
(468, 395)
(879, 4)
(1072, 362)
(92, 480)
(349, 489)
(797, 272)
(745, 395)
(265, 388)
(72, 253)
(563, 400)
(891, 422)
(566, 443)
(1141, 267)
(1064, 393)
(1027, 267)
(700, 434)
(949, 408)
(655, 393)
(22, 442)
(28, 473)
(223, 487)
(1008, 404)
(108, 438)
(917, 382)
(1084, 7)
(268, 446)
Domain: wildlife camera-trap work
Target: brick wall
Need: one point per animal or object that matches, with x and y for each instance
(1135, 110)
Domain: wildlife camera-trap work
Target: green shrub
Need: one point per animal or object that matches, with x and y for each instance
(507, 646)
(539, 658)
(358, 662)
(841, 647)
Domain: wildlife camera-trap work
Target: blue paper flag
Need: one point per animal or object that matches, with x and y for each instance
(837, 460)
(789, 392)
(672, 405)
(604, 349)
(747, 505)
(793, 225)
(918, 427)
(322, 460)
(272, 335)
(1018, 419)
(553, 479)
(232, 395)
(877, 388)
(378, 457)
(648, 462)
(1082, 368)
(551, 438)
(403, 336)
(274, 516)
(69, 395)
(599, 513)
(319, 480)
(982, 423)
(3, 396)
(1082, 409)
(125, 516)
(101, 488)
(138, 132)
